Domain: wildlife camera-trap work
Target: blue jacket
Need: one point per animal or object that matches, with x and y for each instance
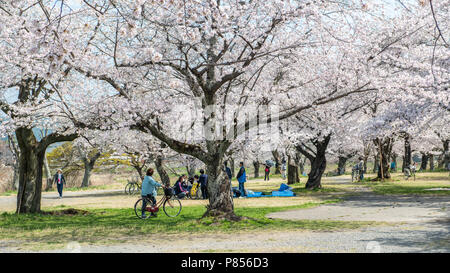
(149, 186)
(242, 177)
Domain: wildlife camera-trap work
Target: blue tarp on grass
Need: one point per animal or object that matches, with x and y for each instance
(285, 191)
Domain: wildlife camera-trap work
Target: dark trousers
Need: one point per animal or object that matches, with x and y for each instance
(60, 188)
(204, 192)
(266, 176)
(144, 201)
(241, 189)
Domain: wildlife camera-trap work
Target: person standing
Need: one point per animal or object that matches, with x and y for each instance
(283, 168)
(60, 182)
(229, 175)
(361, 168)
(242, 178)
(203, 180)
(266, 172)
(393, 167)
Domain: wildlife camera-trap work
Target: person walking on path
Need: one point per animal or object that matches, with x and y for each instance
(242, 178)
(203, 180)
(361, 168)
(149, 186)
(60, 182)
(266, 172)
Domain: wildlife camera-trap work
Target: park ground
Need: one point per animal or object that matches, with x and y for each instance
(390, 216)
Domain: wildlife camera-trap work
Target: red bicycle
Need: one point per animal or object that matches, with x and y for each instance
(170, 203)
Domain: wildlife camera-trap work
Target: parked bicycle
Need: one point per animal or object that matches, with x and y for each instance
(170, 203)
(133, 186)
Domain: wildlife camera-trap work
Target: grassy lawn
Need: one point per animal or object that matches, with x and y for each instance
(424, 181)
(107, 226)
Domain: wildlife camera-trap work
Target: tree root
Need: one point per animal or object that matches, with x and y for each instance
(222, 215)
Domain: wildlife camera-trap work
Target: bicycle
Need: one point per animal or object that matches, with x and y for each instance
(132, 187)
(170, 203)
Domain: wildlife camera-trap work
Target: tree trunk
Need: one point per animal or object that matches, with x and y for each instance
(87, 176)
(298, 161)
(292, 171)
(31, 161)
(231, 160)
(376, 162)
(88, 167)
(385, 148)
(256, 167)
(15, 180)
(301, 165)
(48, 174)
(341, 165)
(424, 162)
(408, 157)
(276, 156)
(431, 162)
(139, 171)
(190, 169)
(161, 171)
(219, 191)
(318, 164)
(445, 157)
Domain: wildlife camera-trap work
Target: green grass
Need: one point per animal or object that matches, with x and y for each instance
(117, 225)
(398, 185)
(392, 188)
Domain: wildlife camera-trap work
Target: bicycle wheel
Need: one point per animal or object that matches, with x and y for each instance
(134, 189)
(127, 188)
(138, 209)
(172, 206)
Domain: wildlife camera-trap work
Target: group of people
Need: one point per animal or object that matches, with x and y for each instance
(184, 185)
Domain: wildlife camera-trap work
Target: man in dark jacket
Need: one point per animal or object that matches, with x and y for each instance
(229, 175)
(60, 182)
(203, 180)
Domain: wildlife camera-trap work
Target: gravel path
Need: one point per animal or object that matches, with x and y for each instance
(371, 207)
(403, 238)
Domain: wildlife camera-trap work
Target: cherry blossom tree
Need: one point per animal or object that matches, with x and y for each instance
(217, 59)
(36, 38)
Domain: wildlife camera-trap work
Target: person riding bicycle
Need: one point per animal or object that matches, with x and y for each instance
(149, 186)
